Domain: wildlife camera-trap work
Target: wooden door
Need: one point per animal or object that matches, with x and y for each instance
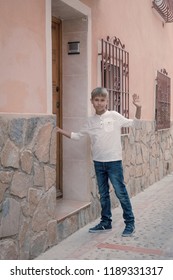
(57, 94)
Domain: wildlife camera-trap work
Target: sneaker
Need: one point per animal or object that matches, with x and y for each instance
(100, 228)
(128, 231)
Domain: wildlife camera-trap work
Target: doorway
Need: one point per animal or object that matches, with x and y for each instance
(70, 23)
(57, 95)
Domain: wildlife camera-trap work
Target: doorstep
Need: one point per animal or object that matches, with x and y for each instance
(66, 208)
(71, 215)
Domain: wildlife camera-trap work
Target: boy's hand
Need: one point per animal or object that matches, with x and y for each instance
(136, 100)
(137, 105)
(58, 129)
(63, 132)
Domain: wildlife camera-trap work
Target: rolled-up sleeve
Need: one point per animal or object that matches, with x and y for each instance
(76, 135)
(81, 133)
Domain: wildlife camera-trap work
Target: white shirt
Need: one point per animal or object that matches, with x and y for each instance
(105, 134)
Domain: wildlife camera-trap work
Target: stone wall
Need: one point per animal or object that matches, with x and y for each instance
(27, 186)
(147, 156)
(28, 224)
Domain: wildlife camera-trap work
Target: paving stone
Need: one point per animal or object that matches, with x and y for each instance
(153, 239)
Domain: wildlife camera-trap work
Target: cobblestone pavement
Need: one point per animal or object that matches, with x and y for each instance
(153, 239)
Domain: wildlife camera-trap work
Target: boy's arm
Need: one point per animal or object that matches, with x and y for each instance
(63, 132)
(138, 107)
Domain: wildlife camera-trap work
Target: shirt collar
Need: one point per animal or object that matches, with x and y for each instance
(102, 115)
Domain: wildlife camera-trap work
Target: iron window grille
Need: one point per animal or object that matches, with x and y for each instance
(115, 75)
(163, 100)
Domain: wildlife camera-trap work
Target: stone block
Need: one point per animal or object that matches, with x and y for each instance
(24, 239)
(50, 177)
(3, 188)
(26, 159)
(10, 155)
(20, 184)
(25, 207)
(31, 128)
(8, 250)
(52, 232)
(84, 217)
(167, 155)
(152, 178)
(145, 153)
(16, 131)
(39, 179)
(38, 244)
(132, 136)
(138, 136)
(67, 227)
(139, 158)
(45, 211)
(34, 196)
(138, 171)
(131, 186)
(10, 218)
(3, 131)
(53, 147)
(43, 143)
(6, 176)
(126, 174)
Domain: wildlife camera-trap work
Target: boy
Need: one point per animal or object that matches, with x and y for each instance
(104, 129)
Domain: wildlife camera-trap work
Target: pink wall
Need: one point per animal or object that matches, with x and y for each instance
(148, 41)
(23, 50)
(23, 56)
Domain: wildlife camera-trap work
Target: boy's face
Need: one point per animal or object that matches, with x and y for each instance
(99, 103)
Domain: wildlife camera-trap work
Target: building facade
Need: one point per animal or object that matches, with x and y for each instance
(53, 53)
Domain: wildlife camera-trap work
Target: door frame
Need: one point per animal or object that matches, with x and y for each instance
(86, 11)
(59, 161)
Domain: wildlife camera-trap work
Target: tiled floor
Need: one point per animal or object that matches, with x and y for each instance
(153, 239)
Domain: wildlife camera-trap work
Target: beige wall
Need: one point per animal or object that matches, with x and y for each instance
(23, 56)
(148, 41)
(75, 111)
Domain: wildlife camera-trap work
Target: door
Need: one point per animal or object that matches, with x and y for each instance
(57, 94)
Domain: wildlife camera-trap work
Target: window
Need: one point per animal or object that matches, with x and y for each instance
(115, 75)
(163, 104)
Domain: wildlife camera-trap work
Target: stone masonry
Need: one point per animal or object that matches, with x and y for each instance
(28, 225)
(27, 186)
(147, 156)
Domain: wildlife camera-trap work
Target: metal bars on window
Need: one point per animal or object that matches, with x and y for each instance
(115, 75)
(163, 102)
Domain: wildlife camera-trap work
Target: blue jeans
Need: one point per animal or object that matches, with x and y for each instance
(112, 171)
